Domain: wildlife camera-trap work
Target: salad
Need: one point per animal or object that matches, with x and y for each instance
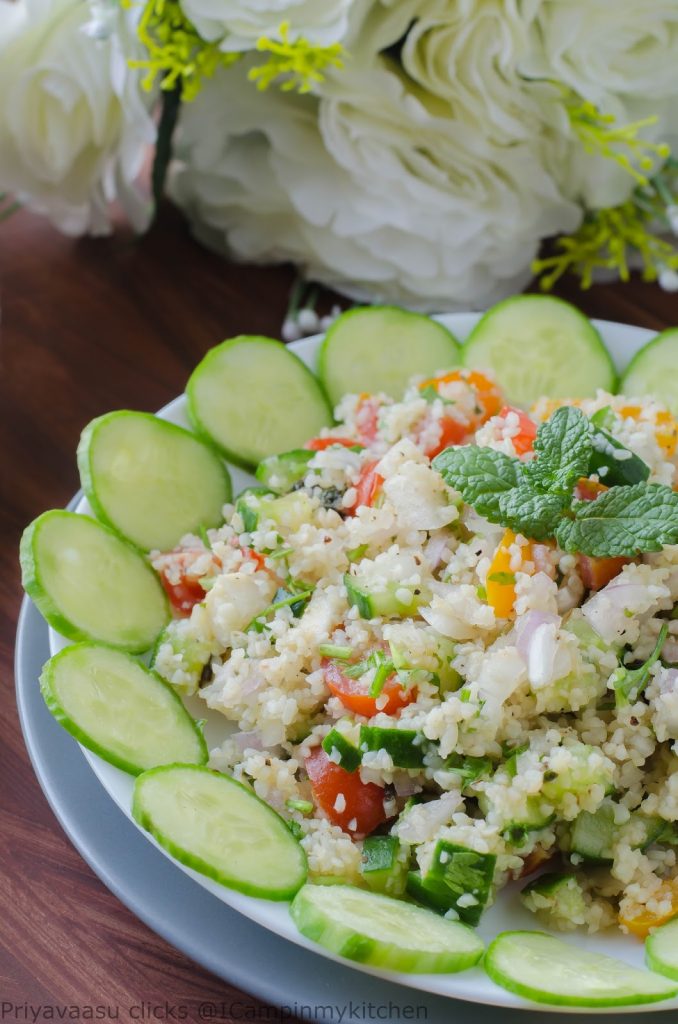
(440, 627)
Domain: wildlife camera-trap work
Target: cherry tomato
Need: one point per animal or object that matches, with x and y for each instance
(363, 802)
(451, 432)
(319, 444)
(523, 441)
(353, 693)
(368, 486)
(588, 490)
(367, 416)
(184, 594)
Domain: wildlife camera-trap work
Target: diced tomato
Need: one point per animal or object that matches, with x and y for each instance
(451, 432)
(319, 444)
(588, 490)
(368, 486)
(489, 395)
(641, 923)
(500, 583)
(596, 573)
(184, 594)
(353, 693)
(363, 802)
(367, 417)
(255, 556)
(523, 441)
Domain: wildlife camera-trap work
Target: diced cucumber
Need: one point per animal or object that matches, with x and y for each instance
(289, 512)
(116, 707)
(540, 967)
(89, 584)
(220, 828)
(348, 755)
(449, 680)
(404, 746)
(383, 867)
(379, 348)
(557, 898)
(593, 834)
(661, 949)
(375, 929)
(149, 479)
(469, 769)
(247, 505)
(538, 345)
(188, 657)
(654, 370)
(587, 768)
(253, 398)
(281, 472)
(391, 602)
(457, 879)
(615, 464)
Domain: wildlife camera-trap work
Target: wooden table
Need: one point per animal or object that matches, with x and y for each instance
(89, 326)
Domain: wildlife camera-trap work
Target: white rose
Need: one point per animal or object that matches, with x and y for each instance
(373, 190)
(74, 127)
(239, 23)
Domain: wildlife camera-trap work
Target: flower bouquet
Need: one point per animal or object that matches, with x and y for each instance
(417, 151)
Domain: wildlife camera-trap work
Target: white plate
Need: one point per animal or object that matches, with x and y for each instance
(622, 341)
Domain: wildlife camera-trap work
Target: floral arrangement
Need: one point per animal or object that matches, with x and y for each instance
(417, 151)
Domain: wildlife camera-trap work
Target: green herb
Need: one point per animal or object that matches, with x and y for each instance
(202, 533)
(295, 601)
(469, 769)
(536, 498)
(604, 418)
(337, 651)
(504, 579)
(382, 672)
(481, 593)
(281, 553)
(628, 684)
(355, 554)
(303, 806)
(295, 828)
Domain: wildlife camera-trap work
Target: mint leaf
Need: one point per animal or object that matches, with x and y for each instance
(481, 475)
(622, 521)
(563, 449)
(527, 511)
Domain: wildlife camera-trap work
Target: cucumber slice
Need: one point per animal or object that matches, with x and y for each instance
(89, 584)
(404, 746)
(538, 345)
(661, 949)
(539, 967)
(252, 397)
(375, 929)
(220, 828)
(149, 479)
(116, 707)
(379, 348)
(654, 370)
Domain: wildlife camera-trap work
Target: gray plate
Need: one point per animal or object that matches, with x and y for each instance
(202, 927)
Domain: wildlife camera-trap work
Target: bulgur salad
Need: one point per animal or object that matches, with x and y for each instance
(443, 628)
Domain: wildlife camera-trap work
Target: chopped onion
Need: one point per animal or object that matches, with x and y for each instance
(248, 740)
(668, 680)
(404, 785)
(527, 625)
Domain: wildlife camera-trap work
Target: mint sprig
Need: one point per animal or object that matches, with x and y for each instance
(537, 498)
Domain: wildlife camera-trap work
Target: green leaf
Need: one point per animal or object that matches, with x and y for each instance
(563, 450)
(526, 511)
(481, 475)
(629, 683)
(622, 521)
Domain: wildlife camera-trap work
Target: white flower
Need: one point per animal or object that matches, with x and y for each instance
(73, 125)
(374, 188)
(239, 23)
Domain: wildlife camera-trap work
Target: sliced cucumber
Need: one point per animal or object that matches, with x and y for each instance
(538, 345)
(383, 868)
(379, 348)
(661, 949)
(404, 746)
(218, 827)
(149, 479)
(253, 398)
(375, 929)
(281, 472)
(654, 370)
(116, 707)
(89, 584)
(539, 967)
(336, 745)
